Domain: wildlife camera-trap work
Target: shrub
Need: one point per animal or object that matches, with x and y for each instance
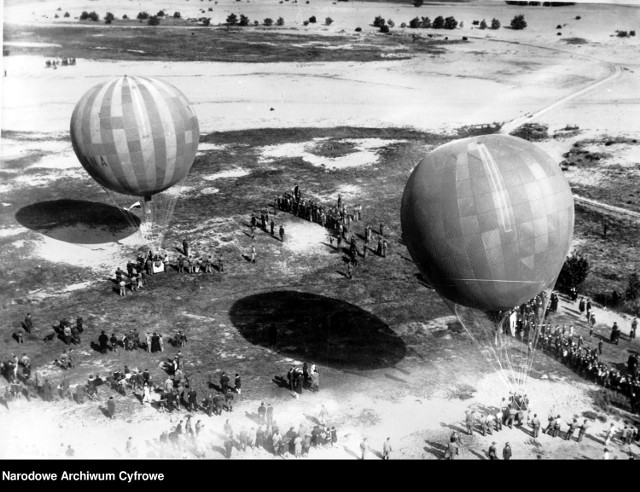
(450, 23)
(578, 17)
(244, 20)
(328, 21)
(633, 287)
(632, 33)
(255, 22)
(66, 14)
(418, 3)
(622, 34)
(403, 25)
(305, 23)
(483, 24)
(109, 18)
(559, 26)
(518, 22)
(358, 29)
(154, 20)
(573, 273)
(414, 23)
(176, 15)
(160, 14)
(425, 23)
(125, 16)
(206, 21)
(280, 21)
(384, 29)
(475, 23)
(390, 23)
(312, 19)
(268, 21)
(378, 21)
(94, 17)
(438, 22)
(56, 16)
(232, 19)
(142, 15)
(495, 23)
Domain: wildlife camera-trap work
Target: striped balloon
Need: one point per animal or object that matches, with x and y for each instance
(135, 135)
(488, 221)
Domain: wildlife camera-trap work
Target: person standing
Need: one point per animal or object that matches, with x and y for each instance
(111, 408)
(610, 431)
(185, 247)
(364, 446)
(323, 415)
(28, 323)
(535, 424)
(238, 384)
(273, 225)
(253, 254)
(583, 430)
(506, 452)
(269, 415)
(493, 451)
(470, 421)
(452, 450)
(632, 333)
(386, 449)
(281, 233)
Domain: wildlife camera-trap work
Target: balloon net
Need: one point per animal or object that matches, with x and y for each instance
(148, 216)
(508, 340)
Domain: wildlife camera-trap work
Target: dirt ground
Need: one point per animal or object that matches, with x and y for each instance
(402, 367)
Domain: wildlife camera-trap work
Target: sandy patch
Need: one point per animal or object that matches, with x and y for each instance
(303, 237)
(12, 231)
(209, 190)
(229, 173)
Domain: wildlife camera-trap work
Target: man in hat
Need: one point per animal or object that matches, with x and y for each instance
(535, 424)
(386, 449)
(27, 323)
(103, 341)
(111, 408)
(363, 448)
(506, 452)
(262, 410)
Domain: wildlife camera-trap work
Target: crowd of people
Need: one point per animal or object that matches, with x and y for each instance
(59, 62)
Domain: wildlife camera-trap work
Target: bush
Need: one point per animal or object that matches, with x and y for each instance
(384, 29)
(438, 22)
(632, 33)
(633, 287)
(268, 21)
(475, 23)
(390, 23)
(403, 25)
(176, 15)
(142, 15)
(578, 17)
(280, 21)
(312, 19)
(378, 22)
(622, 34)
(328, 21)
(232, 19)
(206, 21)
(125, 16)
(66, 14)
(418, 3)
(358, 29)
(573, 273)
(495, 23)
(425, 23)
(255, 22)
(244, 20)
(109, 18)
(518, 22)
(414, 23)
(305, 23)
(154, 20)
(483, 24)
(56, 16)
(450, 23)
(160, 14)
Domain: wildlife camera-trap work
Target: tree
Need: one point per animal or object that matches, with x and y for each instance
(125, 17)
(384, 29)
(160, 14)
(633, 287)
(312, 19)
(390, 23)
(438, 22)
(425, 23)
(483, 24)
(66, 14)
(414, 23)
(232, 19)
(495, 23)
(573, 273)
(450, 23)
(142, 15)
(176, 15)
(403, 25)
(328, 21)
(206, 21)
(378, 21)
(268, 21)
(244, 20)
(418, 3)
(280, 21)
(94, 16)
(518, 22)
(154, 20)
(109, 18)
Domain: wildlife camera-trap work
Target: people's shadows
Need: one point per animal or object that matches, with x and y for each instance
(435, 448)
(595, 439)
(254, 417)
(312, 419)
(479, 455)
(104, 411)
(318, 328)
(96, 347)
(375, 452)
(68, 220)
(281, 382)
(350, 453)
(219, 449)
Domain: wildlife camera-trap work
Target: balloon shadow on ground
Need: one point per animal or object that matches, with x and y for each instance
(78, 221)
(317, 329)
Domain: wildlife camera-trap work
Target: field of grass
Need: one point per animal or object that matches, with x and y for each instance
(248, 44)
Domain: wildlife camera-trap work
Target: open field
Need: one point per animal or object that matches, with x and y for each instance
(336, 112)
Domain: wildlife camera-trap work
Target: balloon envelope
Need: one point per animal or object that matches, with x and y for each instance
(135, 135)
(488, 220)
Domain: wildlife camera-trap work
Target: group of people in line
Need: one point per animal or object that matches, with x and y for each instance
(305, 377)
(62, 62)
